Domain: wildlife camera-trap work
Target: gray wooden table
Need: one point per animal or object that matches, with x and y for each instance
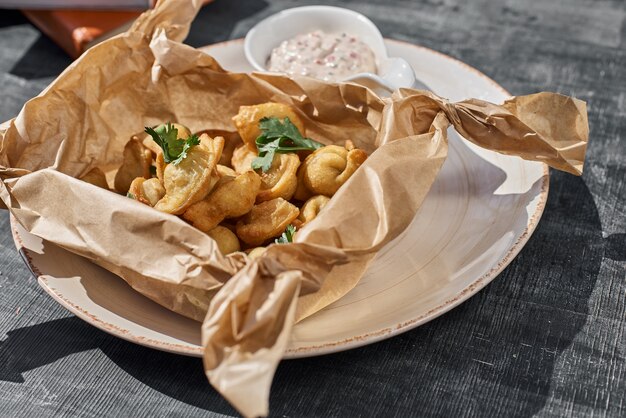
(546, 338)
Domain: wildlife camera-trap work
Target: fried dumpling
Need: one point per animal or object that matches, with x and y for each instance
(312, 208)
(231, 198)
(242, 159)
(265, 221)
(247, 120)
(327, 169)
(148, 191)
(226, 240)
(191, 180)
(280, 180)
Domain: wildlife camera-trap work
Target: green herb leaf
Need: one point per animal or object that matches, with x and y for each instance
(266, 156)
(189, 142)
(279, 137)
(287, 236)
(174, 149)
(130, 195)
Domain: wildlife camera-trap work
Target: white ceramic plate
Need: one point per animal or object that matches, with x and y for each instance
(477, 217)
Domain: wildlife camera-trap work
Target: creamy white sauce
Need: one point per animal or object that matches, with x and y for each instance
(322, 55)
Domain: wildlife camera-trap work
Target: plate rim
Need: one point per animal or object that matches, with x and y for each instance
(329, 347)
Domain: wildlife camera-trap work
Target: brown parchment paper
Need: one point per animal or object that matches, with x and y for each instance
(247, 307)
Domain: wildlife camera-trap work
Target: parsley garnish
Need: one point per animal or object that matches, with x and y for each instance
(287, 236)
(281, 137)
(130, 195)
(174, 149)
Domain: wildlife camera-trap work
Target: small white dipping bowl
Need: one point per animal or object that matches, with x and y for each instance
(393, 73)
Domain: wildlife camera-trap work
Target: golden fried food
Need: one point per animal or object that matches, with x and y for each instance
(312, 208)
(149, 143)
(256, 252)
(226, 240)
(297, 223)
(247, 120)
(160, 164)
(280, 180)
(232, 141)
(152, 191)
(135, 191)
(96, 177)
(328, 168)
(148, 191)
(191, 180)
(231, 198)
(242, 159)
(137, 162)
(265, 221)
(182, 133)
(302, 192)
(223, 170)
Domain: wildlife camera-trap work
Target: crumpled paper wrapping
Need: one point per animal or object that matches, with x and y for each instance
(247, 307)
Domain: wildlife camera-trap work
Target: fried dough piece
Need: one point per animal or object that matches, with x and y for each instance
(247, 120)
(232, 141)
(193, 178)
(242, 159)
(182, 133)
(280, 180)
(231, 198)
(137, 162)
(349, 145)
(152, 191)
(265, 221)
(96, 177)
(135, 190)
(256, 252)
(223, 171)
(302, 192)
(328, 168)
(160, 164)
(226, 240)
(312, 208)
(148, 191)
(149, 143)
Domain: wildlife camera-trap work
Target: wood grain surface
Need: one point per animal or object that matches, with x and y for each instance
(546, 338)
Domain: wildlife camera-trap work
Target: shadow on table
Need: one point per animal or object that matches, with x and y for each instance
(30, 347)
(492, 356)
(176, 376)
(209, 25)
(42, 59)
(495, 353)
(10, 18)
